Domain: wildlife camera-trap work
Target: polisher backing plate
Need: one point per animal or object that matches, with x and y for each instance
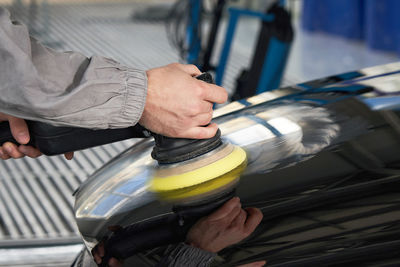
(197, 171)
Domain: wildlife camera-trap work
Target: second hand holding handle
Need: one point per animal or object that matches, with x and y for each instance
(53, 140)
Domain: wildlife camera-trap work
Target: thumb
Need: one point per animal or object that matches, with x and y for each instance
(19, 130)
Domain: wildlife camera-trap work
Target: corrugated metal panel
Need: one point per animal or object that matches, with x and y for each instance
(61, 256)
(36, 195)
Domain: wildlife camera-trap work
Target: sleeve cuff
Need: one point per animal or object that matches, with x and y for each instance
(135, 95)
(185, 255)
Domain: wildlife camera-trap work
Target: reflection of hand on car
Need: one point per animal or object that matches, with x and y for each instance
(20, 132)
(228, 225)
(224, 227)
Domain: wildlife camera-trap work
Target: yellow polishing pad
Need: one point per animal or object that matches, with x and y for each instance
(197, 172)
(207, 189)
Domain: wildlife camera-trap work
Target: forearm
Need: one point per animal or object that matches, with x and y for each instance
(39, 83)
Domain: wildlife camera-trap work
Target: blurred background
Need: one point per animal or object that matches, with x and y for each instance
(250, 46)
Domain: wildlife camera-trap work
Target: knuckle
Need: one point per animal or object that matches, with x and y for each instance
(196, 108)
(222, 94)
(192, 66)
(206, 120)
(200, 91)
(210, 108)
(225, 95)
(210, 115)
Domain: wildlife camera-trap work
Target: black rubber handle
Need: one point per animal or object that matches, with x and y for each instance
(171, 150)
(52, 140)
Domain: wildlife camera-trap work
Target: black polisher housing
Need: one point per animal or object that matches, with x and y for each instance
(172, 150)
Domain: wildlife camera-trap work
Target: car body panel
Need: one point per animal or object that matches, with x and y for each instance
(323, 166)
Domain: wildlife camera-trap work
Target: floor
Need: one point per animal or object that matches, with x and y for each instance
(36, 195)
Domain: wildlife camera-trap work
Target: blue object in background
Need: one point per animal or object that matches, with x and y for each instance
(274, 65)
(375, 21)
(341, 17)
(193, 36)
(382, 24)
(235, 14)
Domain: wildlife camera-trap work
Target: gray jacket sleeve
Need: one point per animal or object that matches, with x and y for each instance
(65, 88)
(183, 255)
(180, 255)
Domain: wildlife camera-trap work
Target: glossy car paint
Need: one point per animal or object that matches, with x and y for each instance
(323, 166)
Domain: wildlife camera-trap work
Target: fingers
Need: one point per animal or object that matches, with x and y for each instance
(239, 221)
(215, 94)
(225, 210)
(114, 263)
(189, 69)
(96, 257)
(101, 250)
(254, 217)
(200, 132)
(29, 151)
(201, 107)
(69, 155)
(98, 253)
(19, 130)
(202, 119)
(3, 155)
(11, 150)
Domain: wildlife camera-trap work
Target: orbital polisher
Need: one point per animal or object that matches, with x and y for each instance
(182, 162)
(196, 175)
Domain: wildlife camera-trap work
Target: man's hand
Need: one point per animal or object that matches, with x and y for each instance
(228, 225)
(179, 105)
(20, 132)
